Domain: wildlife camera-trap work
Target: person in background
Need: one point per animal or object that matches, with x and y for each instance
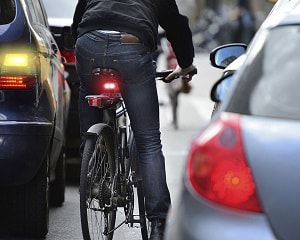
(122, 34)
(245, 19)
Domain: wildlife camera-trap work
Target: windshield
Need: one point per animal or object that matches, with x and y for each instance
(270, 85)
(66, 8)
(7, 11)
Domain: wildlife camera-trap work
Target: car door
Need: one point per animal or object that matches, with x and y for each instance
(52, 72)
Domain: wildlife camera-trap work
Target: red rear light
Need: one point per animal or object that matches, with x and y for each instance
(111, 86)
(17, 82)
(105, 81)
(104, 89)
(68, 55)
(217, 166)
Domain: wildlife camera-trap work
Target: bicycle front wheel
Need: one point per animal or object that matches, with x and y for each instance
(98, 217)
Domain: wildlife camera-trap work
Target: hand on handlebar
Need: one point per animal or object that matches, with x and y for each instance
(186, 73)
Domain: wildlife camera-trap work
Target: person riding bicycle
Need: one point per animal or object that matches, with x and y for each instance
(122, 34)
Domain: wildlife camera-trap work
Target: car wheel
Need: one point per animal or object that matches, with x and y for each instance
(28, 211)
(57, 187)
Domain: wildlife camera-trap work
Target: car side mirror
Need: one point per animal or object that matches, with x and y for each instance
(222, 56)
(220, 88)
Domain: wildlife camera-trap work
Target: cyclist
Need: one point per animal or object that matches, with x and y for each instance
(122, 34)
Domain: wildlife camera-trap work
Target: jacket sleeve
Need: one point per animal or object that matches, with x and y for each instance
(79, 11)
(178, 32)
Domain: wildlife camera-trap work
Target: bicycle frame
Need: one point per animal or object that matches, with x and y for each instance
(110, 99)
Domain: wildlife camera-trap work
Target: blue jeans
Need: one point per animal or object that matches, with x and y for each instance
(138, 88)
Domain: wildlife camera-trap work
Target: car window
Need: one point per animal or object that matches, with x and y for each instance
(7, 11)
(65, 10)
(270, 84)
(277, 92)
(36, 12)
(40, 13)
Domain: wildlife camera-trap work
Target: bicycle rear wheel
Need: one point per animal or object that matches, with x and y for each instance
(97, 171)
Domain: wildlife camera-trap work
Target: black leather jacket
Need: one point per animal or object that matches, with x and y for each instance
(140, 18)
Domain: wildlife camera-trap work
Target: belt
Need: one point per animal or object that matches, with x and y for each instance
(127, 38)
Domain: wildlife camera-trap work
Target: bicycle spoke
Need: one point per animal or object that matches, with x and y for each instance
(98, 217)
(107, 188)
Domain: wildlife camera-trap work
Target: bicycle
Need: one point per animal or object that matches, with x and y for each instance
(110, 173)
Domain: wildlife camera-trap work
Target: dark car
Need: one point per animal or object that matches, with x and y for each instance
(242, 172)
(60, 20)
(34, 103)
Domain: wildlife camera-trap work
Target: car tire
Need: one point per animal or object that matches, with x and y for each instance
(57, 187)
(28, 205)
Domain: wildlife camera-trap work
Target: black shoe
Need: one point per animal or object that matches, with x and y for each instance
(157, 229)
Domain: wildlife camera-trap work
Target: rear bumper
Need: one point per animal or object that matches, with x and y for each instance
(23, 147)
(196, 218)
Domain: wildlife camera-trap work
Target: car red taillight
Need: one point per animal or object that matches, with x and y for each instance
(18, 71)
(217, 167)
(69, 56)
(17, 82)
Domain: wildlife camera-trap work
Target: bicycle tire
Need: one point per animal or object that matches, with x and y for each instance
(133, 155)
(97, 171)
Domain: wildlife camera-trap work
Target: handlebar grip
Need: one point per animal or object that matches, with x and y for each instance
(193, 72)
(163, 74)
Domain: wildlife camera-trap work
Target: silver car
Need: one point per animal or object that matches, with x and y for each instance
(242, 172)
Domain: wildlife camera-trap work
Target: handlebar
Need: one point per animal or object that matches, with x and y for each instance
(161, 75)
